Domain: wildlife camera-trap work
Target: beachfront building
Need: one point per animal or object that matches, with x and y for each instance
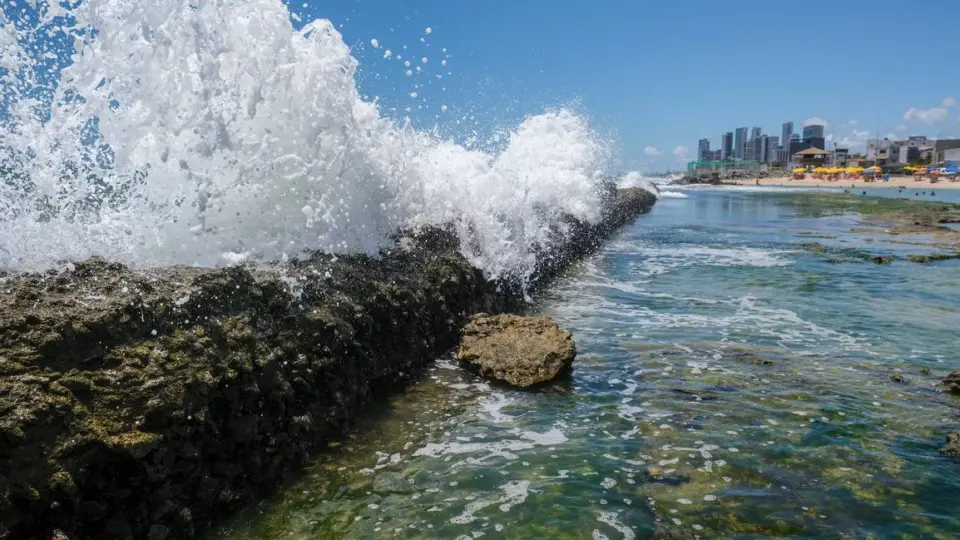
(811, 156)
(881, 150)
(945, 150)
(911, 150)
(739, 142)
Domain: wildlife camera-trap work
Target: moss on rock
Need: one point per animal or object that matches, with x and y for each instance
(145, 404)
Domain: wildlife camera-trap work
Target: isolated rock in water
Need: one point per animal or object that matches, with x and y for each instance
(952, 382)
(952, 448)
(521, 351)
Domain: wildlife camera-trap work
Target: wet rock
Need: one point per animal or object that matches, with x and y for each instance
(746, 357)
(952, 382)
(952, 448)
(521, 351)
(898, 378)
(146, 404)
(925, 371)
(669, 532)
(925, 259)
(881, 259)
(665, 476)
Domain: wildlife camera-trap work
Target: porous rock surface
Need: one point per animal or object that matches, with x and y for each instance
(146, 403)
(521, 351)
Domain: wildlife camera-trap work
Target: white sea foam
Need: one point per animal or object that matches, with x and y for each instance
(255, 144)
(692, 255)
(634, 179)
(611, 519)
(672, 195)
(527, 440)
(492, 406)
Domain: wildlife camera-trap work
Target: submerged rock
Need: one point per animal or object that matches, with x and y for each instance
(952, 382)
(669, 532)
(522, 351)
(952, 448)
(925, 259)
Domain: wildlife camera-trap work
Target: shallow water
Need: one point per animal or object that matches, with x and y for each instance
(729, 383)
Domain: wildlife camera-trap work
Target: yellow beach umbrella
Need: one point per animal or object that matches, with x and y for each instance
(799, 170)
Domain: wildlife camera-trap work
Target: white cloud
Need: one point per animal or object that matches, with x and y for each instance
(652, 151)
(815, 121)
(891, 136)
(929, 116)
(680, 152)
(948, 101)
(857, 139)
(901, 127)
(829, 138)
(852, 122)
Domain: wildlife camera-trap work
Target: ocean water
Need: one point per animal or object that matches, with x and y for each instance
(729, 384)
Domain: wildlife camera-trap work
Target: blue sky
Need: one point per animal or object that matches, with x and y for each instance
(659, 75)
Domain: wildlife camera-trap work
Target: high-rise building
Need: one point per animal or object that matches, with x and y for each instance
(761, 151)
(703, 150)
(770, 145)
(755, 134)
(740, 142)
(786, 133)
(757, 143)
(814, 131)
(726, 146)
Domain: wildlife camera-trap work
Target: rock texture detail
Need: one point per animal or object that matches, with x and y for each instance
(952, 448)
(145, 404)
(521, 351)
(952, 383)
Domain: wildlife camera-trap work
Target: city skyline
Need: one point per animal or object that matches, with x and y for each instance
(752, 144)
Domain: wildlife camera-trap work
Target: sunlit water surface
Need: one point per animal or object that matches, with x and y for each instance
(729, 384)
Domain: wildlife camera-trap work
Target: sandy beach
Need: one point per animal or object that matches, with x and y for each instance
(895, 181)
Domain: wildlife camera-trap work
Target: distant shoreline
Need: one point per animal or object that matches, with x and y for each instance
(906, 182)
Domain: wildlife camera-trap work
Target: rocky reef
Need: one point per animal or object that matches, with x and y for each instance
(521, 351)
(144, 404)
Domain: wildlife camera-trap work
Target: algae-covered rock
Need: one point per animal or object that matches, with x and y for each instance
(522, 351)
(952, 382)
(952, 448)
(926, 259)
(144, 404)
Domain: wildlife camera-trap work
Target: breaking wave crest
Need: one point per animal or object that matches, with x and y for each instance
(215, 132)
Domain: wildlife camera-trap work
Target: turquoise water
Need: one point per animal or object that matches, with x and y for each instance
(729, 383)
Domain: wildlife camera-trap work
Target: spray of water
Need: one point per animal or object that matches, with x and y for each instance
(213, 132)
